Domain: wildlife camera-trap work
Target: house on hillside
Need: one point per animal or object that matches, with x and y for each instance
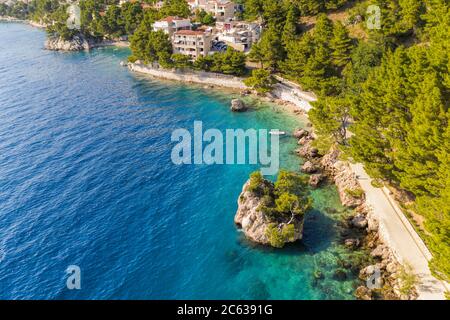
(170, 25)
(239, 35)
(193, 43)
(222, 10)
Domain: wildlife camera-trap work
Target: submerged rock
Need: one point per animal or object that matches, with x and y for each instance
(332, 211)
(340, 275)
(318, 275)
(238, 105)
(352, 243)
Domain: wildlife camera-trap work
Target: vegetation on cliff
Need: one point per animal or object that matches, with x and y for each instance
(281, 203)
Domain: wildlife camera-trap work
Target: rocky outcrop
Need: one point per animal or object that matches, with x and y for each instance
(238, 105)
(384, 276)
(309, 167)
(316, 179)
(340, 172)
(300, 133)
(349, 189)
(352, 243)
(77, 43)
(308, 151)
(382, 273)
(363, 293)
(254, 223)
(359, 221)
(305, 140)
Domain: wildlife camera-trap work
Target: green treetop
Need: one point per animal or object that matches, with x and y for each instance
(341, 45)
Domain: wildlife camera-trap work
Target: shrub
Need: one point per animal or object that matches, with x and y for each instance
(181, 61)
(256, 181)
(132, 59)
(287, 203)
(355, 193)
(230, 62)
(408, 280)
(278, 238)
(261, 80)
(376, 183)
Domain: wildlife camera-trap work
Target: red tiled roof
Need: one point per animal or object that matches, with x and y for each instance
(190, 33)
(171, 18)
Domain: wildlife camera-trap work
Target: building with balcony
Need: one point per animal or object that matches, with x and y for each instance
(170, 25)
(239, 35)
(192, 43)
(222, 10)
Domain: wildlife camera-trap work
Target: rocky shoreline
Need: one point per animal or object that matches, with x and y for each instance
(320, 168)
(330, 167)
(385, 277)
(79, 42)
(30, 22)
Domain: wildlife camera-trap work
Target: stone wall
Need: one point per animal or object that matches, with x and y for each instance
(207, 78)
(283, 90)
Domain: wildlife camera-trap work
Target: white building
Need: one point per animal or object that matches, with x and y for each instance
(239, 35)
(222, 10)
(192, 43)
(170, 25)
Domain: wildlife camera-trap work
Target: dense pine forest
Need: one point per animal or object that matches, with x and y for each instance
(383, 90)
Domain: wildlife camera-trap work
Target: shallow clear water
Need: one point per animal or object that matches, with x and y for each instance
(86, 179)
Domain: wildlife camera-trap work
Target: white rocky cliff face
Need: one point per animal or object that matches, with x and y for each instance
(77, 43)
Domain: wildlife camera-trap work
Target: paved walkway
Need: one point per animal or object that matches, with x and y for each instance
(401, 237)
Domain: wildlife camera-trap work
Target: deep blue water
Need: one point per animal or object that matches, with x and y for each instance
(86, 179)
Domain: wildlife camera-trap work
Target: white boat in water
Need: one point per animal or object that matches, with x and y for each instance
(277, 132)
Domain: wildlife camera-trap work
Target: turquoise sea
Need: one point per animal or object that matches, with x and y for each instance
(86, 179)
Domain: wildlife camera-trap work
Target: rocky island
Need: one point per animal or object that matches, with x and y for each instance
(273, 213)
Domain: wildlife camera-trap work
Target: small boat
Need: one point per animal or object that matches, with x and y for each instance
(277, 132)
(122, 63)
